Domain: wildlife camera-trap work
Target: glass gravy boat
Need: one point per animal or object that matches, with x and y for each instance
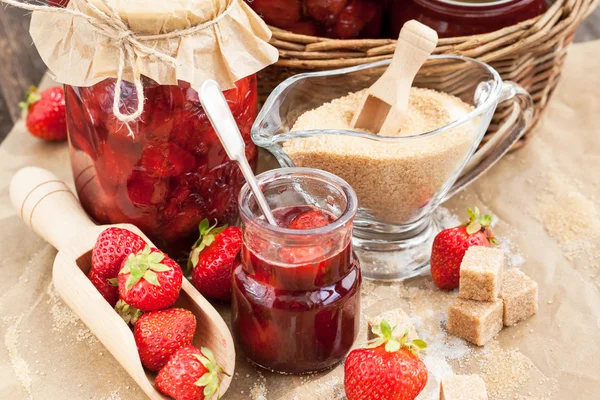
(399, 181)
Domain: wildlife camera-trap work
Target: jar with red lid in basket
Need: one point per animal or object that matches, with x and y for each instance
(142, 149)
(452, 18)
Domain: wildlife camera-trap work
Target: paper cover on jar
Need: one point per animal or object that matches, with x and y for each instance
(232, 41)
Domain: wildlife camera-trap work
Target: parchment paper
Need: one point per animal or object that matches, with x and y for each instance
(545, 198)
(234, 46)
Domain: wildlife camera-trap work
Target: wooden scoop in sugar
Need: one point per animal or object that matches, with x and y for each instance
(385, 103)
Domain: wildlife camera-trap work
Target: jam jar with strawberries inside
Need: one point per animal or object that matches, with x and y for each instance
(340, 19)
(165, 171)
(296, 293)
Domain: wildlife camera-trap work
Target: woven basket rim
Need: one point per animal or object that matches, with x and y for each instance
(303, 51)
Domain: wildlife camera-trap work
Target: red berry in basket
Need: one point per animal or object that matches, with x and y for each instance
(212, 259)
(280, 13)
(159, 334)
(46, 113)
(190, 374)
(112, 247)
(388, 369)
(149, 280)
(353, 19)
(450, 246)
(311, 219)
(304, 28)
(109, 291)
(325, 11)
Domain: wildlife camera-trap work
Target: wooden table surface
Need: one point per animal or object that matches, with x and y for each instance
(21, 66)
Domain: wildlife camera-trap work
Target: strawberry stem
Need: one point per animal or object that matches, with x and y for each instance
(208, 234)
(386, 337)
(143, 265)
(210, 380)
(478, 223)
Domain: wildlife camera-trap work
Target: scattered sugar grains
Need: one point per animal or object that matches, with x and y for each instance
(392, 180)
(11, 340)
(62, 317)
(504, 371)
(570, 217)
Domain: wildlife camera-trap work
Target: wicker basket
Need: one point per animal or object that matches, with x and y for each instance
(530, 53)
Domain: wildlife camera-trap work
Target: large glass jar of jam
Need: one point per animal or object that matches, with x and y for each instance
(166, 170)
(451, 18)
(296, 294)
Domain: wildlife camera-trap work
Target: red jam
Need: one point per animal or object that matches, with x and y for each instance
(164, 172)
(452, 18)
(295, 317)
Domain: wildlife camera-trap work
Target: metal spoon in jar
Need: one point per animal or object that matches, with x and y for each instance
(218, 112)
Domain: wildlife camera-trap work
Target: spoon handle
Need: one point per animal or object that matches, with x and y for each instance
(219, 114)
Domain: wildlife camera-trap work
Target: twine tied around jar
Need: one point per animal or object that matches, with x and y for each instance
(109, 24)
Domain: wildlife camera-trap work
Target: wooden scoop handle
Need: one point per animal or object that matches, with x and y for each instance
(48, 206)
(415, 44)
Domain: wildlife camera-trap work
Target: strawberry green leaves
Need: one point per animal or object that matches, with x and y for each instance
(478, 223)
(144, 265)
(385, 337)
(129, 314)
(210, 380)
(208, 234)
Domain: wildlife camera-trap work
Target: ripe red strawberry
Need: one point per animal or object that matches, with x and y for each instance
(109, 291)
(190, 374)
(46, 113)
(388, 369)
(112, 247)
(149, 280)
(325, 11)
(278, 12)
(450, 246)
(159, 334)
(212, 259)
(311, 219)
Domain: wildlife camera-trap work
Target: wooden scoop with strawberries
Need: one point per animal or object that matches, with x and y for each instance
(384, 106)
(48, 206)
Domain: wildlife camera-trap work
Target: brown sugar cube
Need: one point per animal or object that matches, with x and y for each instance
(520, 295)
(396, 318)
(475, 321)
(463, 387)
(481, 274)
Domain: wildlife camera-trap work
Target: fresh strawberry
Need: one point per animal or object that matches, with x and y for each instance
(109, 291)
(450, 246)
(46, 113)
(387, 369)
(149, 280)
(112, 247)
(325, 11)
(159, 334)
(212, 259)
(190, 374)
(311, 219)
(278, 12)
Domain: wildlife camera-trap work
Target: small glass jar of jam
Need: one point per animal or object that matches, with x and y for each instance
(452, 18)
(296, 293)
(164, 172)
